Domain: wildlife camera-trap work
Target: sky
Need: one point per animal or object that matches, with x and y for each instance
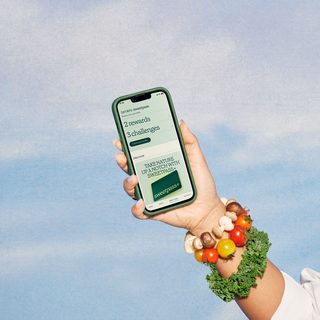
(245, 78)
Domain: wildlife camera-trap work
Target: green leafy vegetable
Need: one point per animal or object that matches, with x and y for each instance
(253, 264)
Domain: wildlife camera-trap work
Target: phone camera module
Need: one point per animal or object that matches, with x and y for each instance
(141, 97)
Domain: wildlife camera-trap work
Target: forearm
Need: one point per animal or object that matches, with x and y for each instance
(264, 299)
(204, 214)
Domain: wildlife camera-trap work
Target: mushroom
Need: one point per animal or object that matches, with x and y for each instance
(234, 207)
(207, 240)
(197, 244)
(224, 200)
(188, 240)
(188, 234)
(231, 215)
(230, 201)
(225, 225)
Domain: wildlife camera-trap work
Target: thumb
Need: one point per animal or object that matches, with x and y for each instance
(197, 161)
(191, 142)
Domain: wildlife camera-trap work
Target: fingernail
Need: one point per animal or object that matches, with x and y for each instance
(114, 141)
(130, 178)
(139, 203)
(182, 122)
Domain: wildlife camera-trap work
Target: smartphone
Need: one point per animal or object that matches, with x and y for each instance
(151, 140)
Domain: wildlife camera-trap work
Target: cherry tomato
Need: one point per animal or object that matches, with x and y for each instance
(226, 248)
(210, 255)
(198, 254)
(237, 235)
(245, 211)
(244, 221)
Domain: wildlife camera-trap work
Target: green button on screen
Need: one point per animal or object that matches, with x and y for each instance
(138, 142)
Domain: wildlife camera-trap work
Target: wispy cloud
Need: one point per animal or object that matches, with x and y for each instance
(227, 311)
(18, 259)
(68, 67)
(25, 258)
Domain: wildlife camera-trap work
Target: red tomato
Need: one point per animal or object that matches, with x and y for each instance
(245, 211)
(244, 221)
(237, 235)
(210, 255)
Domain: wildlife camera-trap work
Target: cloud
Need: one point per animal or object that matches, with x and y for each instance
(62, 70)
(17, 149)
(20, 258)
(228, 311)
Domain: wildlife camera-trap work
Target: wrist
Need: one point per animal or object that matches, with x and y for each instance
(227, 267)
(215, 211)
(235, 262)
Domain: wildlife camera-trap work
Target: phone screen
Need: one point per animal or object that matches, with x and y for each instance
(155, 150)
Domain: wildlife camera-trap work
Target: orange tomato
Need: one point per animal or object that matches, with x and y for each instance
(198, 254)
(244, 221)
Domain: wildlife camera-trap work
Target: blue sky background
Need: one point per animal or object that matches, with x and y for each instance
(243, 75)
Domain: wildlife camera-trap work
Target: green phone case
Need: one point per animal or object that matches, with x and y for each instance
(170, 183)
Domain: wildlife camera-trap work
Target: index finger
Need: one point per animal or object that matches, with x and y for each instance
(118, 144)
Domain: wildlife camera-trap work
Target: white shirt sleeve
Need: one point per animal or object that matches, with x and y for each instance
(300, 301)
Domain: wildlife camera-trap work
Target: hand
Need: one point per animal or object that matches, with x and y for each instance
(200, 216)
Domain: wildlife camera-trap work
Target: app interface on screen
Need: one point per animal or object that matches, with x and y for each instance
(155, 150)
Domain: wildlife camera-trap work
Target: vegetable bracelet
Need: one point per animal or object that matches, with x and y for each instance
(210, 246)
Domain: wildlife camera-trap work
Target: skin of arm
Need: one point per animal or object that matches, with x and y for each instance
(264, 299)
(201, 216)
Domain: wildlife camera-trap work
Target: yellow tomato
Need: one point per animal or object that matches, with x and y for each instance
(226, 247)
